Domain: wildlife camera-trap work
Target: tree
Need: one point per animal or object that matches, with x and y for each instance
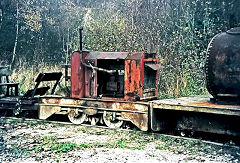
(16, 38)
(179, 31)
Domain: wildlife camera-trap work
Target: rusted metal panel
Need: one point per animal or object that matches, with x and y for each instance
(91, 80)
(96, 103)
(196, 104)
(194, 113)
(142, 76)
(151, 70)
(77, 75)
(140, 120)
(129, 106)
(154, 66)
(95, 83)
(107, 55)
(156, 91)
(136, 112)
(133, 86)
(88, 82)
(135, 56)
(47, 111)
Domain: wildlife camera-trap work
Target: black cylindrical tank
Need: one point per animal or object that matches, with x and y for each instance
(223, 64)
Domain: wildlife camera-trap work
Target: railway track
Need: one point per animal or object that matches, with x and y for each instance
(212, 139)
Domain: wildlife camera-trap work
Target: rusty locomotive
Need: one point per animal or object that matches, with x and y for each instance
(111, 88)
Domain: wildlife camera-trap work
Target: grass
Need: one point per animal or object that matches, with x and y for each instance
(25, 75)
(133, 140)
(50, 145)
(64, 146)
(125, 140)
(14, 121)
(121, 143)
(17, 152)
(164, 146)
(34, 123)
(182, 146)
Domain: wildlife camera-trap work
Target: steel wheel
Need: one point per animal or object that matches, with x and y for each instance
(77, 117)
(111, 121)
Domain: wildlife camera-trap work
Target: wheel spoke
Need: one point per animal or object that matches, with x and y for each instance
(110, 119)
(94, 120)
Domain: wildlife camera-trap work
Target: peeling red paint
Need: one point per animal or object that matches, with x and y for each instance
(85, 83)
(77, 75)
(132, 78)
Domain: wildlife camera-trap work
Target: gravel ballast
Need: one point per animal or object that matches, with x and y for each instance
(45, 142)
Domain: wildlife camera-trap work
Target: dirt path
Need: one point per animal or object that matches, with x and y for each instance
(36, 142)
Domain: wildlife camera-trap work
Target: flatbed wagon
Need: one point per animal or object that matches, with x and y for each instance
(197, 113)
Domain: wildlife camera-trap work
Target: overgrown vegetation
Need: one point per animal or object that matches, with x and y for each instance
(50, 143)
(34, 31)
(40, 143)
(127, 140)
(26, 74)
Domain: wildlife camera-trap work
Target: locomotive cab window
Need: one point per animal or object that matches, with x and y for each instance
(111, 84)
(150, 73)
(149, 77)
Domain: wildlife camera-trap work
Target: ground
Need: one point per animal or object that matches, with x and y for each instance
(48, 142)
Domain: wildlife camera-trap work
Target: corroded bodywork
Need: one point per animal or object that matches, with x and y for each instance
(222, 65)
(108, 86)
(195, 114)
(122, 75)
(136, 112)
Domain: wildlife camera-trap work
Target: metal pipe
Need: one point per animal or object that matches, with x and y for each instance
(80, 38)
(99, 69)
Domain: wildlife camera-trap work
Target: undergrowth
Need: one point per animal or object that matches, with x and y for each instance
(51, 144)
(26, 75)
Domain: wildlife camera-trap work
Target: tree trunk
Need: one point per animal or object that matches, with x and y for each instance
(1, 18)
(16, 38)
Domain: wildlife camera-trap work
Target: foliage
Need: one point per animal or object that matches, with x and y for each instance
(178, 31)
(26, 75)
(49, 143)
(121, 143)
